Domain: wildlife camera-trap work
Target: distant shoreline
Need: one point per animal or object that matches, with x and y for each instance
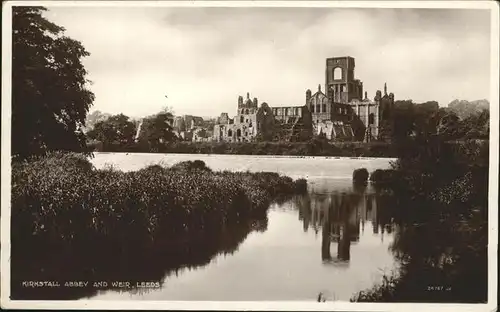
(314, 147)
(252, 156)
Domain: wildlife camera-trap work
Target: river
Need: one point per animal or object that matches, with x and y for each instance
(333, 241)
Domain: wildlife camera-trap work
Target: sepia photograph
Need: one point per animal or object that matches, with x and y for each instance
(250, 155)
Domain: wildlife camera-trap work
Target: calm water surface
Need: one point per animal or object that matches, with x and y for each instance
(332, 240)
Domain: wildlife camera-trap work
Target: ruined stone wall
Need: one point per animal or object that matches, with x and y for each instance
(223, 119)
(234, 133)
(282, 114)
(243, 127)
(202, 135)
(335, 130)
(298, 127)
(368, 114)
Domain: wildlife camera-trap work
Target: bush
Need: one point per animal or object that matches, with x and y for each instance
(192, 165)
(301, 185)
(360, 176)
(384, 177)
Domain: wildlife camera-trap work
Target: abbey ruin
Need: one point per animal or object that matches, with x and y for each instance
(342, 112)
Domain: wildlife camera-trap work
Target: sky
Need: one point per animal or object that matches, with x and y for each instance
(203, 58)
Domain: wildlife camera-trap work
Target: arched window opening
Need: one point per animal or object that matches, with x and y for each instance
(337, 73)
(242, 118)
(229, 133)
(238, 133)
(246, 112)
(312, 108)
(242, 111)
(318, 108)
(371, 118)
(324, 108)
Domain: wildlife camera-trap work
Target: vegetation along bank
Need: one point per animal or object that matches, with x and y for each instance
(437, 194)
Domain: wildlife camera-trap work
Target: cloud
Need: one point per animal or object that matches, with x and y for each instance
(203, 58)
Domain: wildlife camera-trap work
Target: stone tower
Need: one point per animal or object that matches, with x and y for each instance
(340, 83)
(247, 103)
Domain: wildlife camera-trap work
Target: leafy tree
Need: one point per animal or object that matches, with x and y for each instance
(429, 106)
(412, 119)
(157, 130)
(116, 131)
(476, 126)
(403, 124)
(50, 99)
(464, 109)
(449, 126)
(426, 118)
(93, 118)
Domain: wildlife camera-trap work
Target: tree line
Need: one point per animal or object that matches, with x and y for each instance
(116, 133)
(429, 119)
(119, 132)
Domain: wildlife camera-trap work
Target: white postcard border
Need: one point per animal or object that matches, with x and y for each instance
(261, 305)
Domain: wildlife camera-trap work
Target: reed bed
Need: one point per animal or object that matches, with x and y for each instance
(62, 199)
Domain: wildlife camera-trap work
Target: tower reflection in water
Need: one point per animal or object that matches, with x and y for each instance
(341, 217)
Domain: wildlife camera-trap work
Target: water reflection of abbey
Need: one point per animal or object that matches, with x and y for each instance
(341, 217)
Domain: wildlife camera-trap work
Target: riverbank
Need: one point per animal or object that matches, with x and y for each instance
(104, 222)
(314, 147)
(439, 200)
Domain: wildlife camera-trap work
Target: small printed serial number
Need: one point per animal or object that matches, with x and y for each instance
(438, 288)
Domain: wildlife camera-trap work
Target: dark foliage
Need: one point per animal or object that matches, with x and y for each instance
(360, 176)
(440, 204)
(311, 148)
(50, 99)
(385, 177)
(156, 132)
(192, 165)
(114, 132)
(427, 119)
